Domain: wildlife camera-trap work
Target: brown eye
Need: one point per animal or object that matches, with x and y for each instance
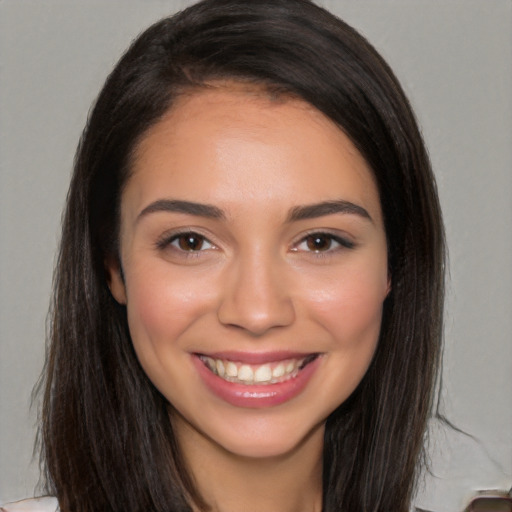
(190, 242)
(319, 242)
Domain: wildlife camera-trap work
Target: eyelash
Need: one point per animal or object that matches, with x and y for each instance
(343, 243)
(322, 236)
(169, 241)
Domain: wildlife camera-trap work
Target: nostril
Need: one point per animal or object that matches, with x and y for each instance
(255, 311)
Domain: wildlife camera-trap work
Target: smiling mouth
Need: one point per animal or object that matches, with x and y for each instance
(250, 374)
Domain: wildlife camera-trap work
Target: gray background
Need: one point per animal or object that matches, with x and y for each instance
(454, 59)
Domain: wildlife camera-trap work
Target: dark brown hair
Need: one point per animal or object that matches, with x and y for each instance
(107, 442)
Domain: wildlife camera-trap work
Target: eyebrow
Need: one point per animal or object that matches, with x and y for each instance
(313, 211)
(310, 211)
(187, 207)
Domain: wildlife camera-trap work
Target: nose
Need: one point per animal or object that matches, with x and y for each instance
(255, 297)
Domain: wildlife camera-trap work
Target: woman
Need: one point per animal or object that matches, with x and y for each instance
(248, 299)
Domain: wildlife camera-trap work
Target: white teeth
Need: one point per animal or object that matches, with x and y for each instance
(219, 365)
(263, 374)
(278, 371)
(245, 373)
(231, 369)
(254, 374)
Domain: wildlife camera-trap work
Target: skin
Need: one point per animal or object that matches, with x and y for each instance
(254, 282)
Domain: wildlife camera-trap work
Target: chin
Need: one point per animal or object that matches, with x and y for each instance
(264, 438)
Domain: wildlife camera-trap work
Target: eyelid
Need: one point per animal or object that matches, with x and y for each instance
(344, 242)
(167, 239)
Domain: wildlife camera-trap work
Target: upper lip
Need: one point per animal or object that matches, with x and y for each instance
(256, 357)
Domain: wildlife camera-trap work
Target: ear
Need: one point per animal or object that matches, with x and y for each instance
(115, 279)
(388, 287)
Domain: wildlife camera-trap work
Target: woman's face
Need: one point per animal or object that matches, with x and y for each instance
(254, 262)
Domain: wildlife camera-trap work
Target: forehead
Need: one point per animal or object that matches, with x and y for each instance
(239, 141)
(241, 109)
(245, 108)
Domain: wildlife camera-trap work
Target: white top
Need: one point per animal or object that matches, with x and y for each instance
(47, 504)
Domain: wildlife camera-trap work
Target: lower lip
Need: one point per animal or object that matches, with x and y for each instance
(256, 396)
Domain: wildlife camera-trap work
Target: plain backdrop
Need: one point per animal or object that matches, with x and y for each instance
(454, 58)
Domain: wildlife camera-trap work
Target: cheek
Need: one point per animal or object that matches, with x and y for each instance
(349, 310)
(349, 306)
(163, 303)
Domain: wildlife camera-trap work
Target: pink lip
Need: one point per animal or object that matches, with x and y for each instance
(256, 396)
(256, 357)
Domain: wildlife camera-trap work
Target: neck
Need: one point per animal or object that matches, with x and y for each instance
(227, 482)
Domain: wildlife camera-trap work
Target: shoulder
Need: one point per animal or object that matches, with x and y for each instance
(46, 504)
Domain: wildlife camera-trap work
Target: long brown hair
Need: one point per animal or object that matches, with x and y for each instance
(107, 442)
